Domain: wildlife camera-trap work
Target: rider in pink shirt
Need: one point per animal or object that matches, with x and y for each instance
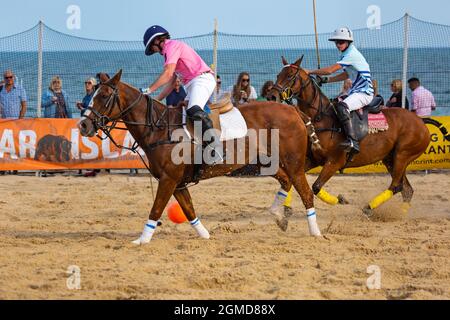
(189, 65)
(182, 61)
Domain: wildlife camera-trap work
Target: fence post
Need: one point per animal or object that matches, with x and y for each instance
(405, 57)
(40, 63)
(215, 57)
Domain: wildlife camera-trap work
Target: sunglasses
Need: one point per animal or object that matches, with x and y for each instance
(88, 82)
(6, 78)
(219, 82)
(340, 42)
(245, 80)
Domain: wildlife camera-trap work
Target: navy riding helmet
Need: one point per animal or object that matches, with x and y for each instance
(150, 35)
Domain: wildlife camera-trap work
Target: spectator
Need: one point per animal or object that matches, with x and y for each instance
(55, 101)
(89, 86)
(13, 97)
(218, 92)
(267, 86)
(242, 91)
(346, 86)
(395, 101)
(177, 94)
(422, 100)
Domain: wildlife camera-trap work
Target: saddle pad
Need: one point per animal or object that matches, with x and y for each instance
(232, 123)
(377, 122)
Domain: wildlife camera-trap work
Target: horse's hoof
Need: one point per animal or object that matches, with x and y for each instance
(282, 224)
(368, 212)
(342, 200)
(288, 211)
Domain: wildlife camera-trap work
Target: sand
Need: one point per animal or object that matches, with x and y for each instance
(49, 224)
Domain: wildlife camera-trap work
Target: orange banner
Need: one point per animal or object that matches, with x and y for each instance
(45, 144)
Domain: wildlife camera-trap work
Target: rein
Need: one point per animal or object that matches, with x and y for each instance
(287, 95)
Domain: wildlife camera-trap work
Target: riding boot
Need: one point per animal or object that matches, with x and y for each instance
(197, 114)
(343, 113)
(351, 145)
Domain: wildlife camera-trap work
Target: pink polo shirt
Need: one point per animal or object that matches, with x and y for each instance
(422, 101)
(189, 63)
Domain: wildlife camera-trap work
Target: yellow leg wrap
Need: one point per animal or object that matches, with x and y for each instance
(380, 199)
(328, 198)
(287, 202)
(405, 207)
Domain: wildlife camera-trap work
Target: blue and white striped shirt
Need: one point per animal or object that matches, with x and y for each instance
(358, 70)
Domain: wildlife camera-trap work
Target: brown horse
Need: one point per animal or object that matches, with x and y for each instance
(405, 140)
(153, 125)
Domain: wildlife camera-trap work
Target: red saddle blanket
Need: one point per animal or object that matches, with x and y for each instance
(377, 122)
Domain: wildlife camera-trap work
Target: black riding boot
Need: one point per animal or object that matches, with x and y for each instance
(351, 145)
(197, 114)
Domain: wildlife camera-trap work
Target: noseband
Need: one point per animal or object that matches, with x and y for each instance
(286, 92)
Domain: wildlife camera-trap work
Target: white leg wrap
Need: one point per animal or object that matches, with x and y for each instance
(312, 223)
(147, 234)
(280, 198)
(201, 230)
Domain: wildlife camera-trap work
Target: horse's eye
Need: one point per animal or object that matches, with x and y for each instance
(105, 96)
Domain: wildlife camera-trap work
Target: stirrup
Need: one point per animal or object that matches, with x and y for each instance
(350, 146)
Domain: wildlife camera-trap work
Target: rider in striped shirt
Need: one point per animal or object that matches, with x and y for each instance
(356, 68)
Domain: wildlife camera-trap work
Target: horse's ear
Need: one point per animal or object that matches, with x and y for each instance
(284, 61)
(116, 79)
(299, 61)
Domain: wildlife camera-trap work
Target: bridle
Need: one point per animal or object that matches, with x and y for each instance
(104, 122)
(287, 93)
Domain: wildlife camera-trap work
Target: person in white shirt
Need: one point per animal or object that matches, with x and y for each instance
(242, 92)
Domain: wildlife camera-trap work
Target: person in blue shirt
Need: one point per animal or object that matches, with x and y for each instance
(89, 86)
(55, 101)
(355, 68)
(177, 94)
(13, 97)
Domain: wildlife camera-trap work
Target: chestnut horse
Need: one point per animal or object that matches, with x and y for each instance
(152, 125)
(406, 139)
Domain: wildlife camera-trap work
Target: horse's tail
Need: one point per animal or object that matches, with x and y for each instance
(439, 125)
(315, 142)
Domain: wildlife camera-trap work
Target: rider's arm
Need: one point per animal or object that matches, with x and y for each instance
(167, 89)
(340, 77)
(164, 78)
(326, 71)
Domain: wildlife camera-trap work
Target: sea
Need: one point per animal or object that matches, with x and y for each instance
(430, 65)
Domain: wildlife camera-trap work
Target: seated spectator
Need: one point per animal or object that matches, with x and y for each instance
(267, 86)
(89, 86)
(242, 92)
(177, 94)
(422, 100)
(218, 92)
(395, 101)
(55, 101)
(13, 97)
(346, 86)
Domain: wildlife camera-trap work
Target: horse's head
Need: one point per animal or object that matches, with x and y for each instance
(289, 82)
(104, 106)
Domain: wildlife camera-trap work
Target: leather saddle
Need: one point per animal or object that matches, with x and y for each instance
(360, 117)
(222, 106)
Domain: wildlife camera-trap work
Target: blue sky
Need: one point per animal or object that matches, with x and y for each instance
(127, 20)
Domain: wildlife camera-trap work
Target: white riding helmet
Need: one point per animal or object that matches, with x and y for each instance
(343, 33)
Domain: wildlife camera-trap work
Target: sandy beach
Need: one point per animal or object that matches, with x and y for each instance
(49, 224)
